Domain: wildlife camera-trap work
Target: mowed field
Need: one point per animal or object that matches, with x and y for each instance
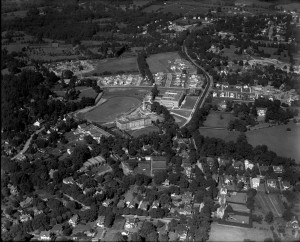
(160, 62)
(270, 202)
(218, 119)
(220, 232)
(189, 102)
(115, 65)
(112, 108)
(184, 113)
(284, 143)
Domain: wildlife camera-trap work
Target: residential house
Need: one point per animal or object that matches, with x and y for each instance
(68, 180)
(238, 165)
(99, 235)
(182, 235)
(186, 210)
(38, 123)
(100, 221)
(248, 164)
(187, 166)
(45, 235)
(130, 223)
(26, 202)
(155, 204)
(278, 169)
(263, 170)
(187, 197)
(223, 162)
(255, 183)
(294, 223)
(228, 179)
(173, 236)
(73, 221)
(210, 161)
(107, 202)
(286, 185)
(166, 183)
(132, 203)
(272, 183)
(25, 217)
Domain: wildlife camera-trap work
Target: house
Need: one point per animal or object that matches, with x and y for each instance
(26, 202)
(272, 183)
(186, 210)
(68, 180)
(121, 204)
(100, 221)
(155, 204)
(286, 185)
(38, 123)
(294, 223)
(107, 202)
(130, 223)
(81, 228)
(187, 197)
(45, 235)
(223, 191)
(210, 161)
(73, 221)
(238, 165)
(25, 217)
(166, 183)
(278, 169)
(99, 235)
(255, 183)
(248, 164)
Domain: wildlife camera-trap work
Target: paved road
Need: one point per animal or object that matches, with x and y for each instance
(166, 220)
(26, 146)
(201, 99)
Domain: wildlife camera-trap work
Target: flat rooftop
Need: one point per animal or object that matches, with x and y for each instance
(172, 95)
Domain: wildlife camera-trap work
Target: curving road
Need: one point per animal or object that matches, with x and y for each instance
(201, 99)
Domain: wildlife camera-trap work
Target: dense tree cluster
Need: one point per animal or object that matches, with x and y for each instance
(144, 67)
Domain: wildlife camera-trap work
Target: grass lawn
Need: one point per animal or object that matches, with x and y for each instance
(179, 120)
(189, 102)
(119, 224)
(284, 143)
(112, 108)
(87, 92)
(184, 113)
(214, 119)
(229, 52)
(153, 8)
(146, 130)
(131, 92)
(115, 65)
(270, 202)
(220, 232)
(159, 62)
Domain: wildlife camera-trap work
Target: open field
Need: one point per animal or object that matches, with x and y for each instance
(229, 52)
(146, 130)
(218, 119)
(123, 91)
(283, 142)
(112, 108)
(189, 102)
(115, 65)
(290, 6)
(270, 202)
(160, 62)
(220, 232)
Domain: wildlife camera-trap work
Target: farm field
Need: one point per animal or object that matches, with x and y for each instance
(159, 62)
(112, 108)
(116, 65)
(146, 130)
(189, 102)
(220, 232)
(270, 202)
(218, 119)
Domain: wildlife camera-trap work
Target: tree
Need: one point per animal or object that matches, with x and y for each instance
(109, 219)
(119, 237)
(269, 218)
(154, 91)
(147, 229)
(287, 215)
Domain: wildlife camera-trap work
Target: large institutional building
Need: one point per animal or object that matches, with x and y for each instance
(127, 123)
(171, 99)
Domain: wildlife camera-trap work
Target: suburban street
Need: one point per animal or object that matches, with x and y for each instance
(202, 97)
(26, 146)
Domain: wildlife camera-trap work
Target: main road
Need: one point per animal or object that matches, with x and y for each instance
(201, 99)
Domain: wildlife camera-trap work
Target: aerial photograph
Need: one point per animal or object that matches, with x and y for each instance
(150, 120)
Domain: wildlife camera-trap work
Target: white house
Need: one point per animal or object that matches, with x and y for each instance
(45, 235)
(255, 183)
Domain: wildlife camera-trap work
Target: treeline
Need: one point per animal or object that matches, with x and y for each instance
(25, 98)
(144, 67)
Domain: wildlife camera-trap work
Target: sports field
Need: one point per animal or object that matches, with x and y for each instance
(184, 113)
(112, 108)
(160, 62)
(218, 119)
(115, 65)
(270, 202)
(189, 102)
(220, 232)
